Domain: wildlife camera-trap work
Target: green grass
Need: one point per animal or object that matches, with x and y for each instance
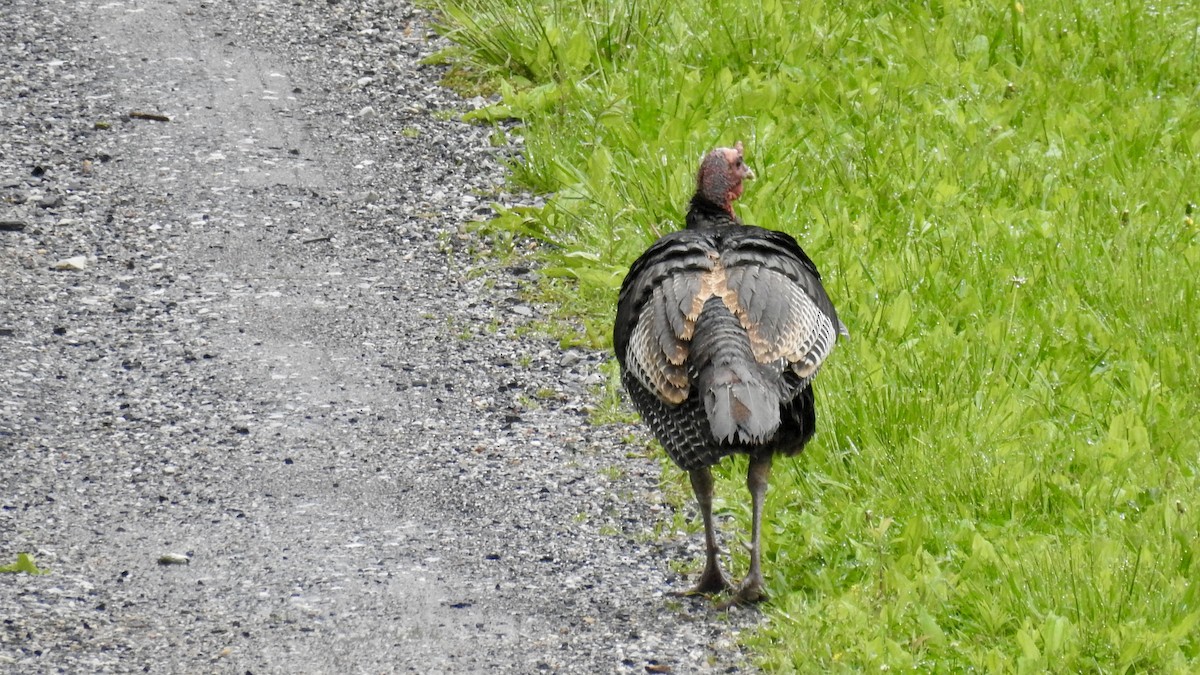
(24, 565)
(1006, 473)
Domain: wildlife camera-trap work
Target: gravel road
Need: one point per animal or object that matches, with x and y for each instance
(244, 326)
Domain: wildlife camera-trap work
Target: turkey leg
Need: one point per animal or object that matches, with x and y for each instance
(712, 580)
(757, 478)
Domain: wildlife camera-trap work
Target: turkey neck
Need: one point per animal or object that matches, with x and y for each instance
(704, 213)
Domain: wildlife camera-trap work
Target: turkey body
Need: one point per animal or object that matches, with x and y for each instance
(720, 330)
(719, 333)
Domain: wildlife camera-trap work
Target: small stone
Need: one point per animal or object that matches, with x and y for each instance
(522, 310)
(11, 226)
(368, 113)
(174, 559)
(79, 262)
(50, 201)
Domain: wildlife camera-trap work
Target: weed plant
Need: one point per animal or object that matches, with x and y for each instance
(1006, 473)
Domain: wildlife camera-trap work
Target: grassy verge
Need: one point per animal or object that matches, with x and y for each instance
(1006, 478)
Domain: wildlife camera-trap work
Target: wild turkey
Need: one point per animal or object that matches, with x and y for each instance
(720, 329)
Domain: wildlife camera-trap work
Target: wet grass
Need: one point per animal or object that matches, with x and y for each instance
(1006, 476)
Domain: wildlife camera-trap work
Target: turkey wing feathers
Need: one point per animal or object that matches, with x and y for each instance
(653, 330)
(763, 277)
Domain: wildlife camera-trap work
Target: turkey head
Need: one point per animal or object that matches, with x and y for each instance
(719, 180)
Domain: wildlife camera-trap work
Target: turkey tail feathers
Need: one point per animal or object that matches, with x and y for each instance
(740, 409)
(741, 397)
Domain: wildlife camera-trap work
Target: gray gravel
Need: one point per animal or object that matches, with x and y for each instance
(263, 407)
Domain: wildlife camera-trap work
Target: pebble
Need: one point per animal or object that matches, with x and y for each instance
(79, 262)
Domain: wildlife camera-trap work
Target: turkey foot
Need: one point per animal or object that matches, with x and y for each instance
(712, 582)
(749, 593)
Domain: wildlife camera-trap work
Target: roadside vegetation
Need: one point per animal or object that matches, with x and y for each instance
(1007, 472)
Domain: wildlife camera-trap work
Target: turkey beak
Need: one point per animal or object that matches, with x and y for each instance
(749, 173)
